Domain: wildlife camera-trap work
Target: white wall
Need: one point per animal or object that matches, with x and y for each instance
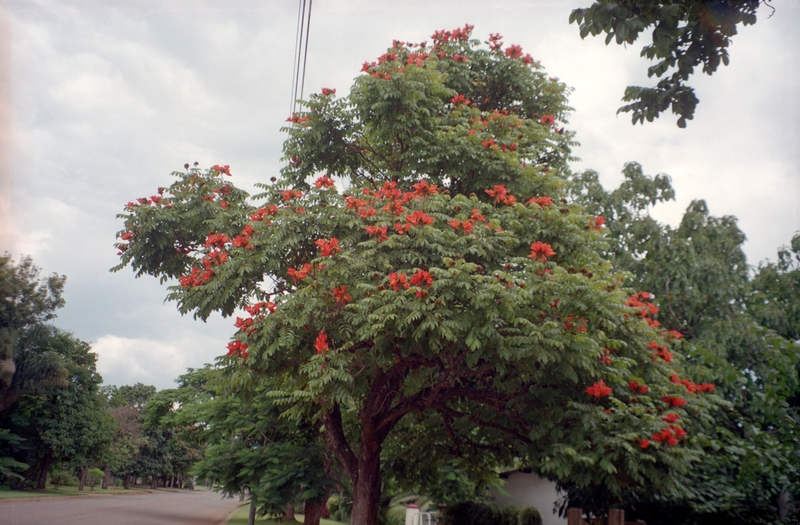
(529, 490)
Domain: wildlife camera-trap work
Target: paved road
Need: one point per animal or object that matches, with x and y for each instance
(197, 507)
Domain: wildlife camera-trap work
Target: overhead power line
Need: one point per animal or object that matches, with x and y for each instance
(300, 52)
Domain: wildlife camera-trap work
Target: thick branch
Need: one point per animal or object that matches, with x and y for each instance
(338, 442)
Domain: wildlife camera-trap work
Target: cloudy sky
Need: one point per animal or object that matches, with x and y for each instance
(101, 101)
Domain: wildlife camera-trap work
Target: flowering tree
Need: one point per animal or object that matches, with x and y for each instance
(450, 282)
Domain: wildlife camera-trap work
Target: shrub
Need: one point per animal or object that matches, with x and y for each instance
(93, 477)
(529, 516)
(396, 515)
(61, 478)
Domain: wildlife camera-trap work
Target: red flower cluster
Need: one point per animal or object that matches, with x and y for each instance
(324, 182)
(295, 119)
(299, 274)
(671, 417)
(637, 388)
(495, 41)
(326, 92)
(287, 195)
(237, 348)
(222, 169)
(541, 201)
(341, 296)
(581, 324)
(419, 218)
(691, 386)
(396, 280)
(500, 194)
(660, 351)
(422, 278)
(328, 246)
(321, 344)
(460, 99)
(599, 389)
(550, 120)
(264, 212)
(256, 309)
(200, 277)
(541, 251)
(641, 301)
(596, 223)
(669, 435)
(443, 37)
(674, 401)
(380, 231)
(606, 357)
(514, 51)
(243, 239)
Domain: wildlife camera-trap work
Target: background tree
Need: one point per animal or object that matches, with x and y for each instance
(699, 277)
(685, 34)
(448, 281)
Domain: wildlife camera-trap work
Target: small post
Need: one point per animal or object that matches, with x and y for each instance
(616, 517)
(574, 516)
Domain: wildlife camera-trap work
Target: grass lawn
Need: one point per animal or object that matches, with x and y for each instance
(63, 491)
(240, 518)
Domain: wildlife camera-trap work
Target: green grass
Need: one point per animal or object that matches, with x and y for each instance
(63, 491)
(240, 518)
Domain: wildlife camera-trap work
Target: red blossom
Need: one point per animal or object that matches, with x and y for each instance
(321, 343)
(341, 296)
(599, 389)
(380, 231)
(237, 348)
(422, 278)
(264, 212)
(596, 223)
(671, 417)
(299, 274)
(328, 246)
(674, 401)
(396, 280)
(287, 195)
(326, 92)
(419, 218)
(541, 251)
(500, 194)
(550, 120)
(324, 182)
(402, 228)
(674, 334)
(460, 99)
(222, 169)
(295, 119)
(514, 51)
(423, 188)
(644, 443)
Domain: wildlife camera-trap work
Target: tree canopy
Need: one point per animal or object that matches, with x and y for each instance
(686, 34)
(450, 283)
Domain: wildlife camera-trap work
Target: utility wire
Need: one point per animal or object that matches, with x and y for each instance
(300, 52)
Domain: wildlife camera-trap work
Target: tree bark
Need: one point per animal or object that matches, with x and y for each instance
(251, 516)
(106, 476)
(126, 481)
(367, 489)
(82, 481)
(289, 511)
(46, 461)
(312, 510)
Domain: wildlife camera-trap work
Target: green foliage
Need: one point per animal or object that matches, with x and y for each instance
(396, 515)
(475, 513)
(448, 290)
(61, 478)
(685, 34)
(700, 278)
(93, 477)
(529, 516)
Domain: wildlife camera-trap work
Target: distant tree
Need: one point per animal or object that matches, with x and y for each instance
(26, 300)
(685, 34)
(737, 333)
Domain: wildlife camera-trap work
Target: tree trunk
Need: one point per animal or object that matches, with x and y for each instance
(126, 481)
(251, 516)
(82, 481)
(106, 476)
(48, 458)
(289, 511)
(312, 510)
(367, 490)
